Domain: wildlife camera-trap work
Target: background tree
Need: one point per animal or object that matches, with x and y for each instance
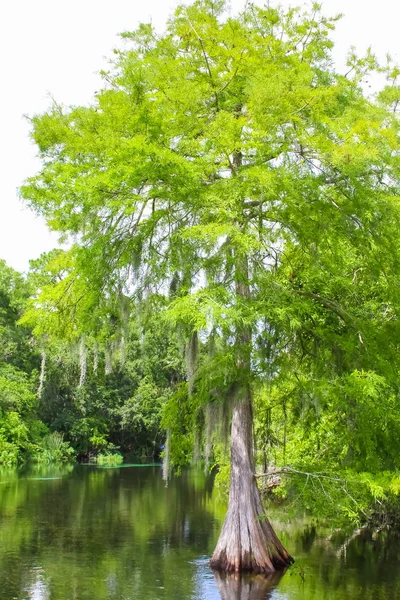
(23, 435)
(109, 371)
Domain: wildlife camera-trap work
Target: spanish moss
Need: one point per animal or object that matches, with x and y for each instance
(108, 360)
(42, 374)
(212, 422)
(191, 360)
(95, 357)
(197, 445)
(82, 361)
(166, 457)
(124, 317)
(224, 423)
(122, 349)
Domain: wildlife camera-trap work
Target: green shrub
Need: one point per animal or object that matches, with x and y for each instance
(54, 449)
(8, 452)
(109, 459)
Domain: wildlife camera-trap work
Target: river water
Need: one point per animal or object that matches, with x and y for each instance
(91, 533)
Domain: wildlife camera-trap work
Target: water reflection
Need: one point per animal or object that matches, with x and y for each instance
(244, 587)
(112, 534)
(39, 589)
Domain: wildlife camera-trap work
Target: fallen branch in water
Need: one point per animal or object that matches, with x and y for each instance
(347, 542)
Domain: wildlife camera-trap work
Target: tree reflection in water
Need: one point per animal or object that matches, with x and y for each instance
(233, 586)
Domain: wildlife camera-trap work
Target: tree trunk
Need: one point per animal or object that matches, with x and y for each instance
(247, 541)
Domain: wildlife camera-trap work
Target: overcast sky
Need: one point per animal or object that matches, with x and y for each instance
(55, 48)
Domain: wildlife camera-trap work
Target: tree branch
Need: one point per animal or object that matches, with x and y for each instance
(289, 471)
(206, 61)
(341, 312)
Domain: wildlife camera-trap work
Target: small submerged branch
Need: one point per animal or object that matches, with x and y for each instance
(346, 543)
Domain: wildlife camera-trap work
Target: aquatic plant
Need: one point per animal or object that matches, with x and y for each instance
(109, 459)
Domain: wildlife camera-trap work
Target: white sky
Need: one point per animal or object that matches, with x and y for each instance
(54, 47)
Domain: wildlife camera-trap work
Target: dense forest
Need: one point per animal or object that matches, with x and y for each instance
(230, 204)
(60, 399)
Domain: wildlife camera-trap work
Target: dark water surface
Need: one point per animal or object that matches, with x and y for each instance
(89, 533)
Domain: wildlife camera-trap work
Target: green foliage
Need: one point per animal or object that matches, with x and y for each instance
(222, 465)
(55, 449)
(178, 419)
(89, 434)
(16, 390)
(228, 182)
(18, 364)
(109, 459)
(9, 452)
